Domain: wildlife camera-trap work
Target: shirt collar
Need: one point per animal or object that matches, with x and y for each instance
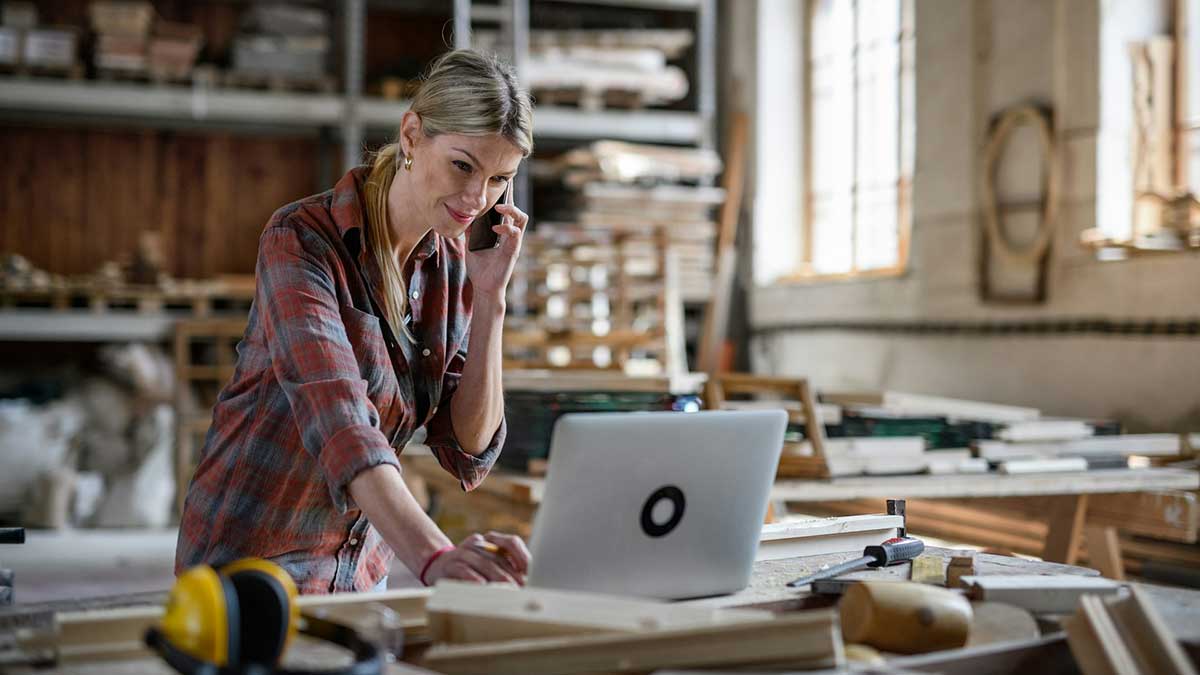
(349, 214)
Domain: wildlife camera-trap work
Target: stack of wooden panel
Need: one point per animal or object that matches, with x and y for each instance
(596, 69)
(604, 288)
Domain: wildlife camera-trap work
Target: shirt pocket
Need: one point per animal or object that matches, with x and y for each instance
(374, 361)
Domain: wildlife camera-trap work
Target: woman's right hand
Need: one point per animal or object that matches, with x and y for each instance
(472, 561)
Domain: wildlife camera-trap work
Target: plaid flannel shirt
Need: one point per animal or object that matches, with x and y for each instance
(323, 389)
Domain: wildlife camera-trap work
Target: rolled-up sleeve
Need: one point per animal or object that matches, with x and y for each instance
(469, 469)
(314, 362)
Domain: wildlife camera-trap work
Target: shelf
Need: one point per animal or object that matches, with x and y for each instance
(199, 105)
(35, 324)
(673, 5)
(169, 102)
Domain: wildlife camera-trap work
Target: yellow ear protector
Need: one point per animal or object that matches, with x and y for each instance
(240, 619)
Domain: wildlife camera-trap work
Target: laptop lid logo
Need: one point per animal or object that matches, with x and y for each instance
(668, 493)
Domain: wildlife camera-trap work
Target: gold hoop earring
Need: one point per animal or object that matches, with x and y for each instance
(408, 162)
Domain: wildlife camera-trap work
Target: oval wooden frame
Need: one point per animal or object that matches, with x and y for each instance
(1009, 122)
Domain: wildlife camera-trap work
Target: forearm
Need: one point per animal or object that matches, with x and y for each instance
(387, 502)
(478, 404)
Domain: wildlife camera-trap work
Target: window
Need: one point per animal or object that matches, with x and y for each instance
(858, 137)
(1187, 25)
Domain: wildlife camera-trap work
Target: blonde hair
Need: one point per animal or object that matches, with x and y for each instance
(464, 92)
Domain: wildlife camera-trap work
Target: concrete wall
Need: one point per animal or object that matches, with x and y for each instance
(973, 60)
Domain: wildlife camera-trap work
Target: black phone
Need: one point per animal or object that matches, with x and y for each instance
(480, 235)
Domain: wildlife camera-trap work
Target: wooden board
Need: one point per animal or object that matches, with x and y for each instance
(1038, 593)
(802, 640)
(825, 535)
(462, 613)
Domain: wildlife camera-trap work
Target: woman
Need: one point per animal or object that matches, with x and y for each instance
(358, 335)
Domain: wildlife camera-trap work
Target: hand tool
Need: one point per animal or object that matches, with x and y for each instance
(893, 551)
(904, 617)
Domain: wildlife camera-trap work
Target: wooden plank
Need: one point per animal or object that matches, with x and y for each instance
(825, 535)
(1065, 523)
(105, 634)
(1095, 648)
(716, 315)
(1154, 445)
(1038, 593)
(1055, 465)
(958, 408)
(806, 639)
(463, 613)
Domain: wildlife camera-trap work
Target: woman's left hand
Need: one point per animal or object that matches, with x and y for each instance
(490, 269)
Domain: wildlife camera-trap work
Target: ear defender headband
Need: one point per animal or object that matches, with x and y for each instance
(240, 619)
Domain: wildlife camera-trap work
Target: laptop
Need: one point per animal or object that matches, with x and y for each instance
(663, 505)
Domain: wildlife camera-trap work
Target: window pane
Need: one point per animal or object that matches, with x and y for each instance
(831, 233)
(876, 244)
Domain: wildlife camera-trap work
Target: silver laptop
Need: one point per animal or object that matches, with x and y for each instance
(665, 505)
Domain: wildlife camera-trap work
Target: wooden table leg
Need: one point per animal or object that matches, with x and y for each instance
(1067, 515)
(1104, 551)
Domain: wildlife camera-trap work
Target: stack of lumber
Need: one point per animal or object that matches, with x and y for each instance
(595, 69)
(604, 287)
(1011, 439)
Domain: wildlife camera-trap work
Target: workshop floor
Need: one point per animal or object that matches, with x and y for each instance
(77, 564)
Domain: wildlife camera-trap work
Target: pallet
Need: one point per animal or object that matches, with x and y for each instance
(197, 300)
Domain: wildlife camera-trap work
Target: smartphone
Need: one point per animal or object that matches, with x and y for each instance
(480, 235)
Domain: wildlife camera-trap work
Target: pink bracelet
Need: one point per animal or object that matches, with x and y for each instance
(436, 554)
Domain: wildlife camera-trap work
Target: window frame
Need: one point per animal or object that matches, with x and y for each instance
(906, 138)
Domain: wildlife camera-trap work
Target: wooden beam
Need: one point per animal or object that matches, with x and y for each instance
(105, 634)
(463, 613)
(1065, 523)
(716, 315)
(804, 639)
(1104, 551)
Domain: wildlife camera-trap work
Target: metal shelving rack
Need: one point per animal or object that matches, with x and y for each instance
(352, 115)
(349, 116)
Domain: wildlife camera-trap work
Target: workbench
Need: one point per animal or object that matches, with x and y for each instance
(1179, 607)
(516, 496)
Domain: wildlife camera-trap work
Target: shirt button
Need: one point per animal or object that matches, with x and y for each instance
(354, 541)
(424, 352)
(415, 295)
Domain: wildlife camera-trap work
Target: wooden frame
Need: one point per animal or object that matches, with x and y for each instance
(995, 244)
(905, 91)
(719, 386)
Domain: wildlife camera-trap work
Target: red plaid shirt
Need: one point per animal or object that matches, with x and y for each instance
(323, 389)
